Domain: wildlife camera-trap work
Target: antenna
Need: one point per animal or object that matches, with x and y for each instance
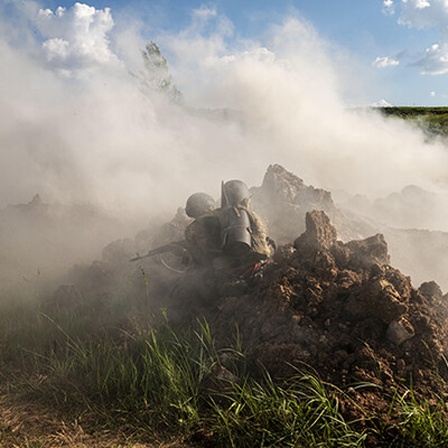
(224, 200)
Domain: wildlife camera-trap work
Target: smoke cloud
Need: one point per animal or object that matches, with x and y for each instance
(78, 126)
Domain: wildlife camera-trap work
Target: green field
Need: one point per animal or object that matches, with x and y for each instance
(433, 120)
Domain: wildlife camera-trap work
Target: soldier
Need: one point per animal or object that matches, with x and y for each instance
(244, 243)
(199, 204)
(202, 236)
(232, 235)
(241, 226)
(226, 246)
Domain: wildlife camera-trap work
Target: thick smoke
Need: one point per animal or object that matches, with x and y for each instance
(79, 126)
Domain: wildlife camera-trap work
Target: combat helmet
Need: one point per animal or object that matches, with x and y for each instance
(234, 192)
(198, 204)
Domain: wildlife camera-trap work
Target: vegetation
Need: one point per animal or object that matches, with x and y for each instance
(433, 120)
(133, 381)
(156, 76)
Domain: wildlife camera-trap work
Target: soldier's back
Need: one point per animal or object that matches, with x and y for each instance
(203, 237)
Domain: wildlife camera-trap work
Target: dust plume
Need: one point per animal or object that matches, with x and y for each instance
(81, 124)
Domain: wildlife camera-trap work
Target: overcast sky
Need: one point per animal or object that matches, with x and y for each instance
(397, 50)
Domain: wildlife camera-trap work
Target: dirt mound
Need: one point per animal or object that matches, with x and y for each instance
(342, 311)
(334, 306)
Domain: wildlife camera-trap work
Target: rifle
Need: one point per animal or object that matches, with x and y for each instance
(170, 247)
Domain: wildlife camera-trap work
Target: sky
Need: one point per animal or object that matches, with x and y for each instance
(398, 49)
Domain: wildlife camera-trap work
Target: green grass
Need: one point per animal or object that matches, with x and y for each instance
(298, 414)
(422, 424)
(168, 382)
(156, 382)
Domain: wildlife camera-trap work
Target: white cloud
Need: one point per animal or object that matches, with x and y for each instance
(388, 7)
(421, 14)
(381, 103)
(383, 62)
(56, 48)
(204, 13)
(258, 54)
(206, 20)
(76, 38)
(432, 94)
(435, 60)
(422, 4)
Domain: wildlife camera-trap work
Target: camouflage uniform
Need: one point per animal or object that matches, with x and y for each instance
(203, 238)
(260, 240)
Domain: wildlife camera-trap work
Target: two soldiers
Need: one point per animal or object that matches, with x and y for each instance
(230, 240)
(226, 246)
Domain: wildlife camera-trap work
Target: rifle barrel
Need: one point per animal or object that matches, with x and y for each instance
(160, 250)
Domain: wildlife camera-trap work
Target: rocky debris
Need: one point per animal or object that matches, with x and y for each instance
(280, 185)
(340, 310)
(284, 199)
(320, 235)
(431, 290)
(382, 299)
(400, 331)
(370, 251)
